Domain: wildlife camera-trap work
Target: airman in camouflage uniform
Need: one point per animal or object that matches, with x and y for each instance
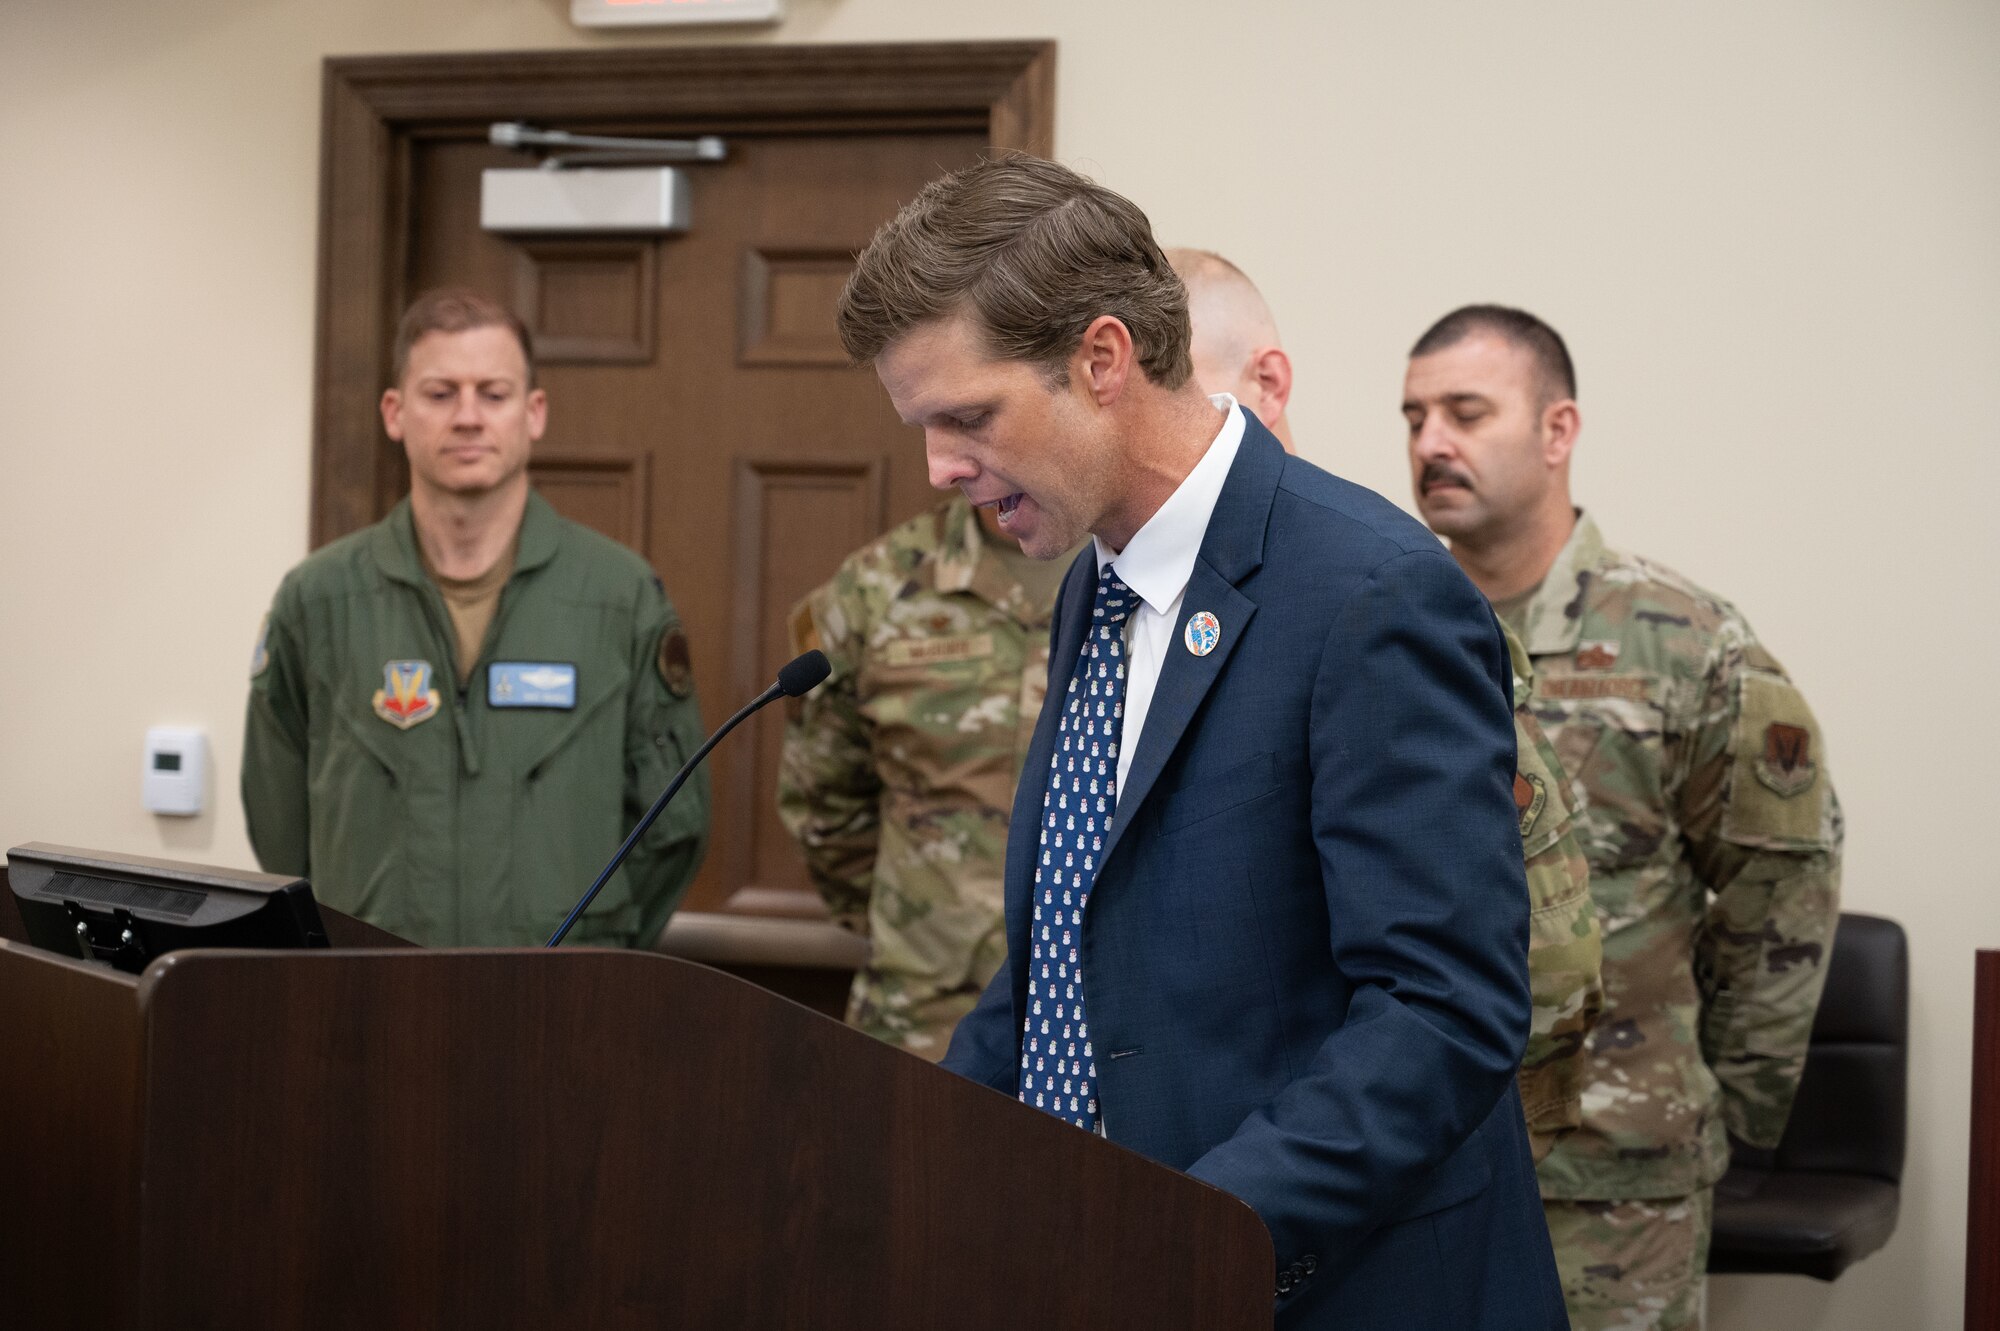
(1564, 947)
(1714, 838)
(1705, 812)
(898, 773)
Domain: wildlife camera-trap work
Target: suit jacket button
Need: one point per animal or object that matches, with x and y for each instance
(1310, 1263)
(1285, 1282)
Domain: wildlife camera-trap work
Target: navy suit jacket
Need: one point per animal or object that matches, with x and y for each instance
(1305, 953)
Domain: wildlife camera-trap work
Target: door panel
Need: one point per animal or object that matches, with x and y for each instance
(702, 411)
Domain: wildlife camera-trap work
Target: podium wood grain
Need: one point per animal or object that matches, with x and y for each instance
(591, 1138)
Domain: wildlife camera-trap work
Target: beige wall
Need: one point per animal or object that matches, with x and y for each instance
(1768, 231)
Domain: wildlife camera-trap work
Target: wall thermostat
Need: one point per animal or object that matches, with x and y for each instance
(176, 769)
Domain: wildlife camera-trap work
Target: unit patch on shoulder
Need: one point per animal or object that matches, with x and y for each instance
(1779, 795)
(1531, 796)
(676, 661)
(260, 658)
(1786, 764)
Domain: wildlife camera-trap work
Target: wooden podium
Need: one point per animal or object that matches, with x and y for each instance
(511, 1138)
(1982, 1222)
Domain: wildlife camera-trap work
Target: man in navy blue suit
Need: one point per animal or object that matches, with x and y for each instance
(1265, 913)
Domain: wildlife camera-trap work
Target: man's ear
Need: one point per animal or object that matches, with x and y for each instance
(538, 415)
(1271, 371)
(1104, 359)
(1561, 423)
(392, 414)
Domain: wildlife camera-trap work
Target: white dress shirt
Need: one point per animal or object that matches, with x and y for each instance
(1157, 563)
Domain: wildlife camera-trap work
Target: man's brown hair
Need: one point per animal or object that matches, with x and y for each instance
(456, 310)
(1035, 253)
(1519, 327)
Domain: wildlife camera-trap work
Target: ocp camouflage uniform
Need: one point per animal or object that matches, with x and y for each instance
(898, 773)
(1564, 948)
(1713, 836)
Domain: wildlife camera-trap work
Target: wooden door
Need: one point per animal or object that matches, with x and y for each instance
(701, 409)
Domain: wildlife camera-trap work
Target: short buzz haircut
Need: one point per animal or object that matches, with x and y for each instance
(1519, 327)
(1034, 252)
(456, 310)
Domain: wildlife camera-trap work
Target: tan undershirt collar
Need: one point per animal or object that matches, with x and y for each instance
(472, 603)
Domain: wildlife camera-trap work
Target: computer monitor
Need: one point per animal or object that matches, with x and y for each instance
(124, 911)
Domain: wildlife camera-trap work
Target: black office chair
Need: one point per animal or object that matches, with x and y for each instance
(1828, 1195)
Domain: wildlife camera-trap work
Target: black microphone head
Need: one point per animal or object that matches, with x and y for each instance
(803, 674)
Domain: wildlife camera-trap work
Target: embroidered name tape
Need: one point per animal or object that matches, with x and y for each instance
(937, 651)
(530, 684)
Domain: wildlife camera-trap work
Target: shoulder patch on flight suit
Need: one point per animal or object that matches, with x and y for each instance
(260, 656)
(1776, 796)
(676, 662)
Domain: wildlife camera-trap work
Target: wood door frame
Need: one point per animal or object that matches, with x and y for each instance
(372, 107)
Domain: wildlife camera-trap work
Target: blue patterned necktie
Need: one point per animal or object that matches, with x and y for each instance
(1058, 1066)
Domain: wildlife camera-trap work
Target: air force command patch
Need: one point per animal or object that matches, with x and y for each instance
(1786, 764)
(406, 696)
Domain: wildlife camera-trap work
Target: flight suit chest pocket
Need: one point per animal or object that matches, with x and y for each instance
(1609, 733)
(540, 737)
(361, 776)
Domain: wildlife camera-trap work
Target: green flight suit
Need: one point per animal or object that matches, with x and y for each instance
(434, 813)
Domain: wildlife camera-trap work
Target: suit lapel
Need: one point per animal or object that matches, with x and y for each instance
(1185, 680)
(1231, 549)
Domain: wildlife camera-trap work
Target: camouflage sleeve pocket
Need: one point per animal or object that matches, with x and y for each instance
(1779, 791)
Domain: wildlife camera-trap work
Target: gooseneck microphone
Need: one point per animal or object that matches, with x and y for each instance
(800, 676)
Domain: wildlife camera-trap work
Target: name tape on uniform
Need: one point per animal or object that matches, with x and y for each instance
(531, 684)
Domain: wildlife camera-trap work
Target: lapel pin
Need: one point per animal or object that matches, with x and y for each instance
(1202, 633)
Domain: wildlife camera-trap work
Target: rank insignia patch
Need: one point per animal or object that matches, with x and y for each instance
(676, 662)
(406, 696)
(1596, 655)
(1531, 796)
(1786, 764)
